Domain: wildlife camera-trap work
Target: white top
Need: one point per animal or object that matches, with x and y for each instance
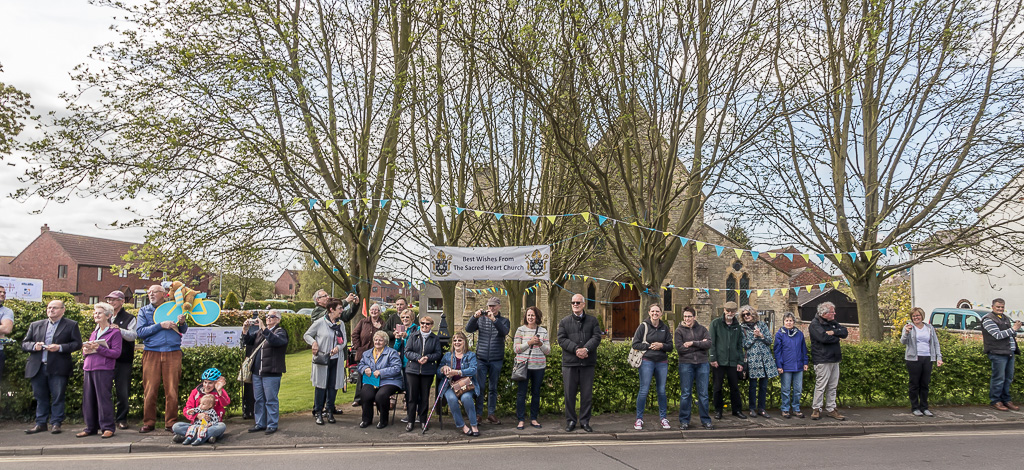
(924, 341)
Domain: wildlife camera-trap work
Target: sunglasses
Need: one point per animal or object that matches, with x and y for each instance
(426, 323)
(576, 303)
(272, 316)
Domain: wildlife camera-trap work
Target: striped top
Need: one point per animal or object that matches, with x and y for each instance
(538, 358)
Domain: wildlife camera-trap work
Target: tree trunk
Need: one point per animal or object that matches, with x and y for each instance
(865, 291)
(448, 290)
(514, 312)
(551, 314)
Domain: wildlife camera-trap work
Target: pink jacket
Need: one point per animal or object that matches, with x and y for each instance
(104, 358)
(222, 400)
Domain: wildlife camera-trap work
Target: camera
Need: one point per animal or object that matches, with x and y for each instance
(255, 315)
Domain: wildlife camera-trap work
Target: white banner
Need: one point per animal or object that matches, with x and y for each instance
(513, 263)
(212, 336)
(30, 290)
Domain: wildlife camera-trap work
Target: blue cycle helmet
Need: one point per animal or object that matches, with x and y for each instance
(211, 374)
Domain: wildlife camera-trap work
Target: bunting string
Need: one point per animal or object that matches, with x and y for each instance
(601, 220)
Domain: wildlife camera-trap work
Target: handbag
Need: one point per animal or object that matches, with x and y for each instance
(245, 372)
(462, 385)
(519, 368)
(321, 359)
(636, 356)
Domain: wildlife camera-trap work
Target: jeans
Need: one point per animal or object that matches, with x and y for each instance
(660, 372)
(1002, 377)
(791, 401)
(266, 409)
(687, 374)
(215, 430)
(534, 379)
(487, 372)
(467, 403)
(757, 392)
(49, 393)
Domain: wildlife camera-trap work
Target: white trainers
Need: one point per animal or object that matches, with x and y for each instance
(638, 425)
(929, 414)
(664, 424)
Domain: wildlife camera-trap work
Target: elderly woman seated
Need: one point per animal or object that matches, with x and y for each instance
(381, 368)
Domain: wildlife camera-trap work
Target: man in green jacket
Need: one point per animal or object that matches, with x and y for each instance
(726, 357)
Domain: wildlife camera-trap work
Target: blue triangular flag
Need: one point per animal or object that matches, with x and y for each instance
(312, 202)
(754, 254)
(821, 286)
(458, 210)
(771, 292)
(883, 251)
(383, 202)
(853, 255)
(534, 218)
(907, 246)
(344, 202)
(684, 240)
(601, 219)
(788, 255)
(821, 257)
(719, 249)
(498, 216)
(316, 263)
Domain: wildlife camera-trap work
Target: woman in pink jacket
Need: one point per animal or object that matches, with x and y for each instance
(101, 353)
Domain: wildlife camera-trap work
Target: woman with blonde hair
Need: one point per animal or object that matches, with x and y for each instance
(381, 370)
(922, 350)
(458, 366)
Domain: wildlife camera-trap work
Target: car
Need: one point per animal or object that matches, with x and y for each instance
(957, 318)
(305, 311)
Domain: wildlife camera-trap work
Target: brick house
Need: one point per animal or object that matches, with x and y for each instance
(287, 285)
(387, 290)
(81, 266)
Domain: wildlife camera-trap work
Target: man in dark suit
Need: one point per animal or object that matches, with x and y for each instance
(50, 343)
(578, 335)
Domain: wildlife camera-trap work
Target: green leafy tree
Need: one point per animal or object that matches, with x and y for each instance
(231, 301)
(15, 111)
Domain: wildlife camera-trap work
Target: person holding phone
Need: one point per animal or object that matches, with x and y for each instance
(268, 365)
(326, 374)
(922, 350)
(491, 329)
(532, 346)
(760, 364)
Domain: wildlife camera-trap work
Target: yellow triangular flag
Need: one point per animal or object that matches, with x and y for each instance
(759, 292)
(772, 255)
(586, 216)
(634, 224)
(838, 257)
(478, 213)
(585, 278)
(551, 218)
(739, 252)
(869, 254)
(327, 203)
(806, 256)
(666, 233)
(700, 246)
(366, 201)
(835, 284)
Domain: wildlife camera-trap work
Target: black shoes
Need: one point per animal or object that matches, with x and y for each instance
(363, 424)
(35, 429)
(570, 426)
(382, 424)
(408, 427)
(739, 414)
(718, 415)
(320, 419)
(330, 417)
(586, 427)
(270, 431)
(256, 429)
(708, 426)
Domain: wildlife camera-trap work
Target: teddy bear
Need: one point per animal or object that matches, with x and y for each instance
(188, 294)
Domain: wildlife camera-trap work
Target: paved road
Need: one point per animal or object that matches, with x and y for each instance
(959, 449)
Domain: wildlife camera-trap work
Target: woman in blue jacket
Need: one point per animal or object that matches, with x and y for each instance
(455, 365)
(791, 360)
(381, 368)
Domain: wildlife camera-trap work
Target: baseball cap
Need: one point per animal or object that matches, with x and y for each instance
(493, 301)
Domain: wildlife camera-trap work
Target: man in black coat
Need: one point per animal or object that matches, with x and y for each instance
(50, 343)
(123, 367)
(826, 353)
(578, 335)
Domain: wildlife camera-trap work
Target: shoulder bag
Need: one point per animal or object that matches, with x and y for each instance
(245, 372)
(519, 368)
(636, 356)
(463, 384)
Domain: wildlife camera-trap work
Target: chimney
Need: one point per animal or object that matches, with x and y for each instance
(45, 228)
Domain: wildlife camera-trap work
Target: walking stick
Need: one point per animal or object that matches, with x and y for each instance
(440, 390)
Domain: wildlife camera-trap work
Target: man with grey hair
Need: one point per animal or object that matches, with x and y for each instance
(161, 360)
(826, 353)
(350, 305)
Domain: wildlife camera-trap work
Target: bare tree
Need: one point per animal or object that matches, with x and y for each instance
(276, 122)
(908, 122)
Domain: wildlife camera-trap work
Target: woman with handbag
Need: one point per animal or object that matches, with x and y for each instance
(532, 348)
(652, 340)
(422, 351)
(458, 366)
(268, 364)
(381, 369)
(327, 376)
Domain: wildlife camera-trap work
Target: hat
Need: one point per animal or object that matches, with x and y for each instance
(493, 301)
(730, 305)
(116, 295)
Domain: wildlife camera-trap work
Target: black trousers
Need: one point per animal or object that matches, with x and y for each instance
(920, 376)
(735, 401)
(578, 379)
(417, 394)
(248, 399)
(122, 389)
(377, 396)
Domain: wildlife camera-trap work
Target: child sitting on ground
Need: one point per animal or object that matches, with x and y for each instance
(202, 418)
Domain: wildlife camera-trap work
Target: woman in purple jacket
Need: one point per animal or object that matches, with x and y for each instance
(97, 402)
(791, 360)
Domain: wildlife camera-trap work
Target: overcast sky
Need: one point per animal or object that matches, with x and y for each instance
(40, 43)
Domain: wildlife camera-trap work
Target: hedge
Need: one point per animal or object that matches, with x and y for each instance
(295, 324)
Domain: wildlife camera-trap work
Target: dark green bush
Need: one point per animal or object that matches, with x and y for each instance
(231, 302)
(295, 324)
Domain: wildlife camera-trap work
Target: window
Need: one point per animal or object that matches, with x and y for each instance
(144, 276)
(972, 323)
(123, 273)
(591, 297)
(62, 271)
(938, 320)
(668, 300)
(375, 288)
(730, 288)
(93, 300)
(744, 287)
(99, 275)
(531, 296)
(289, 287)
(953, 321)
